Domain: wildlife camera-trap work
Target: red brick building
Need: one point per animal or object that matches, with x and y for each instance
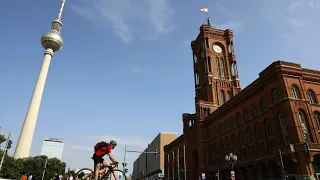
(278, 112)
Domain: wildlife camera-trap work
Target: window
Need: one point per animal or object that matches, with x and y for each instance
(270, 136)
(254, 110)
(235, 144)
(243, 146)
(209, 64)
(312, 97)
(195, 60)
(317, 119)
(218, 66)
(260, 139)
(197, 78)
(295, 92)
(222, 97)
(283, 126)
(231, 122)
(264, 105)
(228, 95)
(222, 67)
(207, 42)
(238, 119)
(250, 139)
(301, 116)
(246, 115)
(276, 96)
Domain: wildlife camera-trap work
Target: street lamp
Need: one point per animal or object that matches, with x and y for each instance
(232, 159)
(144, 152)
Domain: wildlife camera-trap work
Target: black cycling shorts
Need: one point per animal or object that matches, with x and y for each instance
(97, 159)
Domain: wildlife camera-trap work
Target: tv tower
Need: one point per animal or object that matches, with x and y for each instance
(51, 42)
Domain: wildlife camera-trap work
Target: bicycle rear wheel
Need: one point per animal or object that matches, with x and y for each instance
(115, 174)
(85, 173)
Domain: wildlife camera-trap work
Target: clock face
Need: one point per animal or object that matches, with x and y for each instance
(217, 48)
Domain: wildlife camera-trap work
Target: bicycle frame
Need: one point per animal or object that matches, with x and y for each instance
(103, 172)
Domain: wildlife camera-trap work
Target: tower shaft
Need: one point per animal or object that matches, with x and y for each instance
(25, 139)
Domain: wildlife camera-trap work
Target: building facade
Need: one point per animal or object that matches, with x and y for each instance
(52, 148)
(272, 125)
(154, 162)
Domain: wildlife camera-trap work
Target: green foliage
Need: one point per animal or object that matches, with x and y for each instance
(2, 138)
(14, 168)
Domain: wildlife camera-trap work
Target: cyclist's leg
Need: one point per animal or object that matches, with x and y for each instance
(97, 160)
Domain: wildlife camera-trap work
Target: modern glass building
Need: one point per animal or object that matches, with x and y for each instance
(53, 148)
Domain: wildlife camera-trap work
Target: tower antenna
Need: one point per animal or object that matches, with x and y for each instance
(61, 9)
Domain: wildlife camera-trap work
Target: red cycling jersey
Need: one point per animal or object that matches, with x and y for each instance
(103, 151)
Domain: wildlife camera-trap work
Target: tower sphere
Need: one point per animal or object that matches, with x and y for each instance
(52, 39)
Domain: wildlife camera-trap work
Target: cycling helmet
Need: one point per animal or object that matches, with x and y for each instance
(113, 142)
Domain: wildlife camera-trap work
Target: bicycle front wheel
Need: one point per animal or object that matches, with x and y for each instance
(85, 174)
(115, 174)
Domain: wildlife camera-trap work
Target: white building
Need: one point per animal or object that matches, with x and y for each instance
(53, 148)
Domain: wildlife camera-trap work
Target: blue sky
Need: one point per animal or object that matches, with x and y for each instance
(125, 71)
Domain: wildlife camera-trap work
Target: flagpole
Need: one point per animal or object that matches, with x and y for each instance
(184, 162)
(178, 164)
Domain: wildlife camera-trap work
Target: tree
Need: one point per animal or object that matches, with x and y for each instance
(2, 138)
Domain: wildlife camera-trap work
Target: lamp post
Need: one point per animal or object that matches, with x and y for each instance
(145, 152)
(232, 159)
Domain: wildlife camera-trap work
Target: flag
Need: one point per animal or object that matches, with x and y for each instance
(204, 10)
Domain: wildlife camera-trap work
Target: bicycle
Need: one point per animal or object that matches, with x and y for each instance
(104, 173)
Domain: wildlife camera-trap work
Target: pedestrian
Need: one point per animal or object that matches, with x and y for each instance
(24, 176)
(30, 176)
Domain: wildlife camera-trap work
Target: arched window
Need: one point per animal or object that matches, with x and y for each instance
(301, 116)
(317, 119)
(270, 136)
(243, 146)
(209, 64)
(222, 67)
(235, 144)
(264, 105)
(250, 140)
(254, 110)
(222, 97)
(246, 115)
(283, 126)
(197, 78)
(231, 122)
(295, 92)
(260, 139)
(312, 97)
(276, 96)
(228, 95)
(218, 66)
(195, 59)
(238, 119)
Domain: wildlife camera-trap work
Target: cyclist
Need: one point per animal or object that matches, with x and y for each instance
(101, 149)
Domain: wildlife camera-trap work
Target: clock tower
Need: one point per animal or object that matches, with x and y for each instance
(215, 69)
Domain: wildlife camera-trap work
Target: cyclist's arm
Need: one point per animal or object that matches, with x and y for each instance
(112, 158)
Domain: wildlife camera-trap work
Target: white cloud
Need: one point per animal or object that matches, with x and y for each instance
(295, 22)
(129, 18)
(295, 6)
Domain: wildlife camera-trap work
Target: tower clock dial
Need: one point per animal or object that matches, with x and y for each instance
(217, 48)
